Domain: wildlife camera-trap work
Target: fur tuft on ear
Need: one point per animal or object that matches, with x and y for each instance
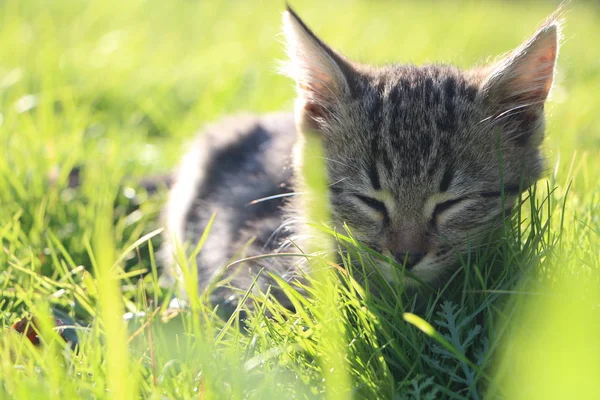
(524, 78)
(320, 73)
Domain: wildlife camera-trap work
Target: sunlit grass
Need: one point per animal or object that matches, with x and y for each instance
(117, 88)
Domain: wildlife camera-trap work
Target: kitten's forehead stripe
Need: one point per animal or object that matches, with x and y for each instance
(446, 179)
(373, 170)
(449, 124)
(428, 89)
(422, 107)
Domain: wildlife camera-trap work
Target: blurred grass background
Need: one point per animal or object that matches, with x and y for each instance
(119, 87)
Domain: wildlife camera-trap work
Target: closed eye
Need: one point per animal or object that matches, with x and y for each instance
(509, 190)
(446, 205)
(374, 204)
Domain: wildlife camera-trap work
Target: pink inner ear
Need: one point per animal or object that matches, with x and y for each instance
(318, 95)
(534, 80)
(314, 116)
(547, 62)
(317, 87)
(526, 76)
(314, 110)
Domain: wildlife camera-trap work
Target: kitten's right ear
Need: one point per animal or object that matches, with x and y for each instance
(322, 75)
(525, 76)
(518, 85)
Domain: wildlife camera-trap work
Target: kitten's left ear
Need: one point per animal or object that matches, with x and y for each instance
(524, 78)
(322, 75)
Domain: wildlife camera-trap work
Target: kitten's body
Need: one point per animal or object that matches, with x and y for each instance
(233, 163)
(420, 160)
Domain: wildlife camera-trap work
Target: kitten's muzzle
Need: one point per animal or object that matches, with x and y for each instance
(407, 243)
(408, 259)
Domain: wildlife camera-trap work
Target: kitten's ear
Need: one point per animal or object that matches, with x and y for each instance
(524, 78)
(322, 76)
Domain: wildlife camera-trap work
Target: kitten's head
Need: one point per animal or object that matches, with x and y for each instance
(422, 160)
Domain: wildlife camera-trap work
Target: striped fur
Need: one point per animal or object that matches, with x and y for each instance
(418, 159)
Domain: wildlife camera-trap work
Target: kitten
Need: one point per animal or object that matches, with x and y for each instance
(420, 162)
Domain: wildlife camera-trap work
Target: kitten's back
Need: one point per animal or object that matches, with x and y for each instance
(232, 163)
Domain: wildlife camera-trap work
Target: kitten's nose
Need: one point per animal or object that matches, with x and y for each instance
(408, 258)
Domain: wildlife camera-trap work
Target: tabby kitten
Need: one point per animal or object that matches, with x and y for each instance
(420, 162)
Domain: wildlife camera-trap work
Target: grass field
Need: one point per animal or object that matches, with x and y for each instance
(119, 87)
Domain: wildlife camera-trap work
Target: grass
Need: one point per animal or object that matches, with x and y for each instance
(119, 88)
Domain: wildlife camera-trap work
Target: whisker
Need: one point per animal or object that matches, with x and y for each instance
(335, 161)
(276, 196)
(518, 107)
(338, 181)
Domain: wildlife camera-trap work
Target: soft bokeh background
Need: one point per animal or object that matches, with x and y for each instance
(152, 72)
(119, 87)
